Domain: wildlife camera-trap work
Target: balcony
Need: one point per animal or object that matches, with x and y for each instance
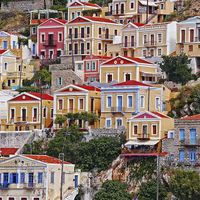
(29, 185)
(190, 142)
(80, 36)
(141, 150)
(4, 186)
(128, 45)
(15, 74)
(107, 37)
(50, 43)
(150, 43)
(118, 12)
(117, 109)
(143, 136)
(79, 52)
(197, 39)
(109, 13)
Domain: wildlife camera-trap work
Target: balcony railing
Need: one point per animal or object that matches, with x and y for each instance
(79, 52)
(143, 136)
(117, 109)
(50, 43)
(107, 37)
(190, 142)
(29, 185)
(15, 74)
(22, 119)
(109, 13)
(128, 45)
(142, 10)
(142, 149)
(197, 39)
(4, 185)
(118, 12)
(150, 43)
(79, 36)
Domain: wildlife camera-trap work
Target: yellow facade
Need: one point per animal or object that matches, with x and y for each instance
(77, 99)
(86, 37)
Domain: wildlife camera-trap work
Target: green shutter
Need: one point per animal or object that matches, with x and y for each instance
(57, 81)
(61, 80)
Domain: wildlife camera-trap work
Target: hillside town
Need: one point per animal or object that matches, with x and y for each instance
(99, 100)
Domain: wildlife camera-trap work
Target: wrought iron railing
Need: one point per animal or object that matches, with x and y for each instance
(118, 109)
(127, 45)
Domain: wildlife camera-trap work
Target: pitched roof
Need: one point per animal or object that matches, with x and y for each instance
(138, 24)
(97, 57)
(17, 34)
(90, 4)
(90, 88)
(138, 60)
(191, 117)
(36, 21)
(160, 114)
(163, 23)
(132, 82)
(61, 20)
(46, 159)
(44, 95)
(8, 151)
(2, 51)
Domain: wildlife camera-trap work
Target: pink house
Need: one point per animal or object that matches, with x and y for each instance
(34, 23)
(51, 38)
(92, 67)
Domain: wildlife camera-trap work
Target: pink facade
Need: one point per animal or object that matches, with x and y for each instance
(51, 38)
(35, 22)
(92, 67)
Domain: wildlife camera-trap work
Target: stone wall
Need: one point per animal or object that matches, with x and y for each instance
(68, 59)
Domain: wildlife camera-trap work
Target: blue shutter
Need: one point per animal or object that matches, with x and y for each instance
(17, 177)
(11, 177)
(109, 102)
(182, 134)
(108, 123)
(171, 135)
(130, 101)
(193, 136)
(164, 106)
(33, 48)
(13, 44)
(39, 177)
(19, 45)
(0, 177)
(5, 44)
(181, 156)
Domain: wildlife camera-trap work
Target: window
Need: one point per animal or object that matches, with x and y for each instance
(34, 114)
(108, 123)
(99, 30)
(5, 66)
(182, 49)
(94, 79)
(154, 132)
(99, 46)
(11, 198)
(13, 44)
(181, 156)
(115, 32)
(109, 78)
(88, 46)
(144, 52)
(125, 53)
(78, 13)
(88, 30)
(132, 5)
(22, 177)
(172, 156)
(182, 36)
(79, 66)
(162, 6)
(12, 113)
(4, 44)
(121, 21)
(27, 128)
(135, 129)
(182, 134)
(33, 30)
(73, 15)
(80, 104)
(157, 103)
(88, 79)
(63, 177)
(109, 101)
(52, 177)
(142, 101)
(127, 76)
(33, 48)
(59, 81)
(144, 39)
(159, 52)
(59, 37)
(40, 177)
(70, 47)
(42, 37)
(51, 113)
(19, 68)
(151, 52)
(44, 112)
(191, 35)
(13, 177)
(159, 38)
(94, 66)
(171, 135)
(87, 66)
(130, 101)
(60, 104)
(190, 47)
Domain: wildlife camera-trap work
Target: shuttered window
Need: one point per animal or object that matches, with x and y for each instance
(135, 130)
(154, 130)
(81, 104)
(60, 103)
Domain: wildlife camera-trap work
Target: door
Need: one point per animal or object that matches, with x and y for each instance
(82, 48)
(71, 105)
(51, 54)
(82, 32)
(144, 131)
(8, 83)
(132, 41)
(122, 8)
(117, 7)
(193, 136)
(107, 33)
(33, 48)
(191, 35)
(150, 10)
(50, 41)
(23, 114)
(30, 179)
(125, 41)
(5, 180)
(182, 36)
(76, 48)
(119, 100)
(76, 33)
(152, 40)
(192, 157)
(76, 181)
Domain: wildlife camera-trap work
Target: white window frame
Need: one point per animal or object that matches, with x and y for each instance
(59, 37)
(86, 46)
(107, 101)
(101, 46)
(121, 20)
(109, 118)
(86, 30)
(33, 28)
(129, 95)
(118, 118)
(68, 103)
(150, 52)
(33, 113)
(26, 111)
(182, 29)
(69, 31)
(133, 129)
(43, 112)
(58, 103)
(79, 103)
(41, 37)
(50, 51)
(189, 34)
(161, 52)
(78, 66)
(158, 103)
(143, 53)
(50, 113)
(133, 5)
(152, 129)
(11, 197)
(89, 66)
(142, 95)
(77, 13)
(72, 12)
(79, 124)
(95, 66)
(7, 66)
(108, 73)
(146, 38)
(158, 38)
(115, 30)
(44, 53)
(125, 75)
(24, 197)
(162, 6)
(14, 113)
(60, 78)
(119, 95)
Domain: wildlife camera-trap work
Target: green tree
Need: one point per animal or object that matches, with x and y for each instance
(148, 191)
(113, 189)
(176, 68)
(185, 185)
(60, 119)
(34, 148)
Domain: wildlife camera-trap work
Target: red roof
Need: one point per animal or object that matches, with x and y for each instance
(163, 23)
(138, 60)
(61, 20)
(2, 51)
(97, 57)
(36, 21)
(90, 4)
(100, 19)
(192, 117)
(132, 82)
(16, 34)
(138, 24)
(8, 151)
(90, 88)
(160, 115)
(46, 159)
(44, 95)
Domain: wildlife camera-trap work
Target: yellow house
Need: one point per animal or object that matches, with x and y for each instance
(188, 41)
(145, 132)
(121, 101)
(128, 68)
(145, 40)
(80, 8)
(24, 112)
(36, 177)
(90, 35)
(77, 99)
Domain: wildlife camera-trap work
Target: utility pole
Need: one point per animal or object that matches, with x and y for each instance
(20, 76)
(158, 174)
(61, 182)
(45, 115)
(148, 97)
(147, 11)
(41, 106)
(73, 68)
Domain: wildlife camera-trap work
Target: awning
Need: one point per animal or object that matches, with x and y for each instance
(126, 16)
(137, 142)
(144, 3)
(149, 74)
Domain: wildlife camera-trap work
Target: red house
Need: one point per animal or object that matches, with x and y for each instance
(92, 67)
(51, 38)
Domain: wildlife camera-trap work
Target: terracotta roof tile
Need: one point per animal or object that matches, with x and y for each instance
(90, 88)
(100, 19)
(90, 4)
(132, 82)
(139, 60)
(191, 117)
(44, 95)
(160, 115)
(2, 51)
(8, 151)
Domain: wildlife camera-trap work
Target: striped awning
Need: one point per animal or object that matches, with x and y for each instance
(137, 142)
